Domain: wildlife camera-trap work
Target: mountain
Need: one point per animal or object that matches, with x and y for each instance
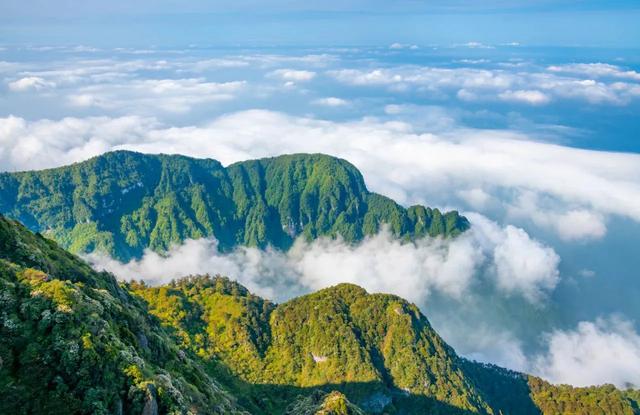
(123, 202)
(374, 348)
(75, 341)
(378, 350)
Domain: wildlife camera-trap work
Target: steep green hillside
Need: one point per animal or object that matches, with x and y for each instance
(374, 348)
(318, 403)
(124, 202)
(378, 350)
(73, 341)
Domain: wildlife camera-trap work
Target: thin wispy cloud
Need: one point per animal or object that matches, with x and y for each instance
(472, 84)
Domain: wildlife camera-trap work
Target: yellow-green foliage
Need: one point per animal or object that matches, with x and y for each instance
(595, 400)
(368, 344)
(319, 403)
(378, 350)
(73, 342)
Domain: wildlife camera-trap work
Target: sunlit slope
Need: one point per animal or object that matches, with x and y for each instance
(73, 341)
(76, 341)
(377, 349)
(123, 202)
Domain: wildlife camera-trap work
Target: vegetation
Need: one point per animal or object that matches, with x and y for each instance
(319, 403)
(377, 350)
(124, 202)
(594, 400)
(74, 341)
(373, 348)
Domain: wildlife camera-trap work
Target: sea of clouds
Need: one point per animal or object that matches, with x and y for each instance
(492, 293)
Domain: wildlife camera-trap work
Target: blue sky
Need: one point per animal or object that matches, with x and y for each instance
(547, 23)
(523, 115)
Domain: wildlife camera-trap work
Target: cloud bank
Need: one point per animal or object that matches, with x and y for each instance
(532, 86)
(570, 191)
(507, 257)
(606, 350)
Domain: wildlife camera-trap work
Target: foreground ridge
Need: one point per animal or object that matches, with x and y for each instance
(73, 340)
(123, 202)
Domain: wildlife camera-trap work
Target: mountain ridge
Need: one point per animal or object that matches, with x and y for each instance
(124, 202)
(73, 340)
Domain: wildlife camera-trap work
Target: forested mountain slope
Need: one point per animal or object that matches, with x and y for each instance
(75, 341)
(123, 202)
(378, 350)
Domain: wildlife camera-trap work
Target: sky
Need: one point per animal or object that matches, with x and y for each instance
(522, 115)
(319, 23)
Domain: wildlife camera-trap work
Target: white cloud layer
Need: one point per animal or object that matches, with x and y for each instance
(331, 102)
(606, 350)
(522, 265)
(531, 97)
(580, 187)
(572, 224)
(293, 75)
(30, 83)
(596, 70)
(474, 84)
(380, 264)
(148, 96)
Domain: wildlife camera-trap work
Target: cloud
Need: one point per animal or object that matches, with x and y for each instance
(145, 96)
(46, 143)
(474, 45)
(522, 265)
(476, 198)
(473, 84)
(292, 75)
(491, 345)
(531, 97)
(218, 63)
(426, 78)
(400, 46)
(603, 351)
(596, 70)
(385, 264)
(267, 273)
(380, 263)
(30, 83)
(571, 224)
(331, 102)
(318, 60)
(79, 72)
(580, 224)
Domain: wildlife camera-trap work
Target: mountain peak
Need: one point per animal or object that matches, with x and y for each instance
(123, 202)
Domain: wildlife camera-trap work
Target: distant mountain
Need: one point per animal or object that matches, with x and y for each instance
(74, 341)
(123, 202)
